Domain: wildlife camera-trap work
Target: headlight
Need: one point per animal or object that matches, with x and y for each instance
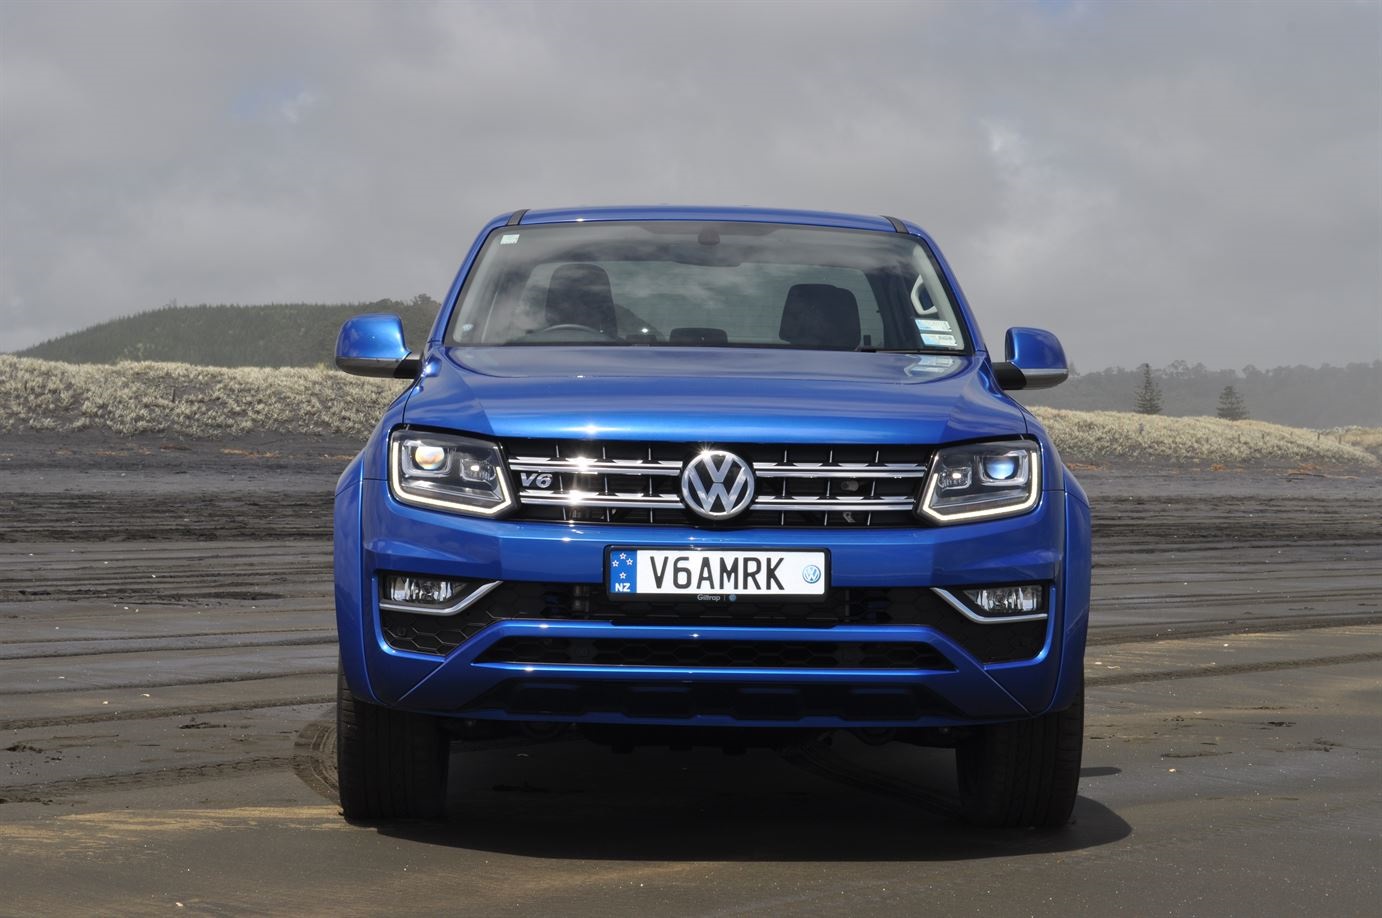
(448, 471)
(982, 481)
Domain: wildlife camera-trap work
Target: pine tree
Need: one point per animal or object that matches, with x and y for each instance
(1149, 396)
(1231, 407)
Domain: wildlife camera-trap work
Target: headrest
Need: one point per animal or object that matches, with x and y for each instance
(579, 294)
(820, 315)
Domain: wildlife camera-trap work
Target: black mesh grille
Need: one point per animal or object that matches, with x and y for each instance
(713, 654)
(427, 633)
(743, 702)
(517, 600)
(797, 486)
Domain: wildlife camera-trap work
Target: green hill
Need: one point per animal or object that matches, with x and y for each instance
(280, 335)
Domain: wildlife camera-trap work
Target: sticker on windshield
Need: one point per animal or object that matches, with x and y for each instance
(939, 340)
(939, 325)
(508, 238)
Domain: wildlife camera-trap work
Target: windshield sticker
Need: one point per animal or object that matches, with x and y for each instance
(939, 340)
(508, 238)
(939, 325)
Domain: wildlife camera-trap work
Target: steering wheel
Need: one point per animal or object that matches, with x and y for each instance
(570, 326)
(569, 331)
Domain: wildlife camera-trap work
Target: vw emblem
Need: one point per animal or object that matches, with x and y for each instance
(717, 485)
(811, 574)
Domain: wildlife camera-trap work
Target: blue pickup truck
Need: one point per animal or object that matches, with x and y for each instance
(712, 473)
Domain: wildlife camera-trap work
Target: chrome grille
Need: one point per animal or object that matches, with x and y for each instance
(639, 483)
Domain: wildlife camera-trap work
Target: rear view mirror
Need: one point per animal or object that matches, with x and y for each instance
(372, 345)
(1034, 360)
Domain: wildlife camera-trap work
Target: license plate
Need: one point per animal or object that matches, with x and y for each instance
(714, 575)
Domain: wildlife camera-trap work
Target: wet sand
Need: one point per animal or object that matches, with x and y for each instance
(165, 738)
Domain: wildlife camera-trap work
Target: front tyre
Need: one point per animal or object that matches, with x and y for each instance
(389, 764)
(1024, 773)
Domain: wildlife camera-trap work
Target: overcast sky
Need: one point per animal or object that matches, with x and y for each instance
(1152, 181)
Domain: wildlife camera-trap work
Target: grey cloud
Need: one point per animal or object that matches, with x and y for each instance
(1152, 181)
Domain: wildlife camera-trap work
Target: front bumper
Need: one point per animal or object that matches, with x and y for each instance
(947, 685)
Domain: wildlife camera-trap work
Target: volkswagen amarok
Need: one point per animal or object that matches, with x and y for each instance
(725, 475)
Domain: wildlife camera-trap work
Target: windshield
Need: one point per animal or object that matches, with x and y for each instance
(695, 284)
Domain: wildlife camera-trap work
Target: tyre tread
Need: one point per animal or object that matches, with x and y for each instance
(390, 764)
(1024, 773)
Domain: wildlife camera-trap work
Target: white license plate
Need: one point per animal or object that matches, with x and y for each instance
(716, 574)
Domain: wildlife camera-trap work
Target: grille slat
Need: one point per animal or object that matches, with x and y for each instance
(592, 499)
(839, 470)
(616, 466)
(829, 503)
(639, 484)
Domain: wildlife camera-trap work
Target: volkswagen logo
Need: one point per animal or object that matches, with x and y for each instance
(717, 485)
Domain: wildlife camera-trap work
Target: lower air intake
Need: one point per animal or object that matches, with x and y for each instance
(715, 654)
(742, 702)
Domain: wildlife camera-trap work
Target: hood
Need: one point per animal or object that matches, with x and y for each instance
(701, 394)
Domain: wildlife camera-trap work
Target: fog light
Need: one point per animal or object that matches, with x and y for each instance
(424, 591)
(1009, 600)
(419, 594)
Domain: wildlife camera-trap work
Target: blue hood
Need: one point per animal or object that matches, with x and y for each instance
(722, 394)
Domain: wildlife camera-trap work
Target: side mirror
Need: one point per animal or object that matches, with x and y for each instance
(372, 345)
(1035, 360)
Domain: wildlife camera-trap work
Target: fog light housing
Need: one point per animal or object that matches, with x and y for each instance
(428, 591)
(426, 594)
(998, 605)
(1008, 600)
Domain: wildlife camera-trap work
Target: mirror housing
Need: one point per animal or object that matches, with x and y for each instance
(372, 345)
(1035, 360)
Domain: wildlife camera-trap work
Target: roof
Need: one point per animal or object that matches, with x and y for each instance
(721, 214)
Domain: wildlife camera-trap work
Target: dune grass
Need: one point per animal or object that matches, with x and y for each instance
(1093, 436)
(1365, 438)
(182, 401)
